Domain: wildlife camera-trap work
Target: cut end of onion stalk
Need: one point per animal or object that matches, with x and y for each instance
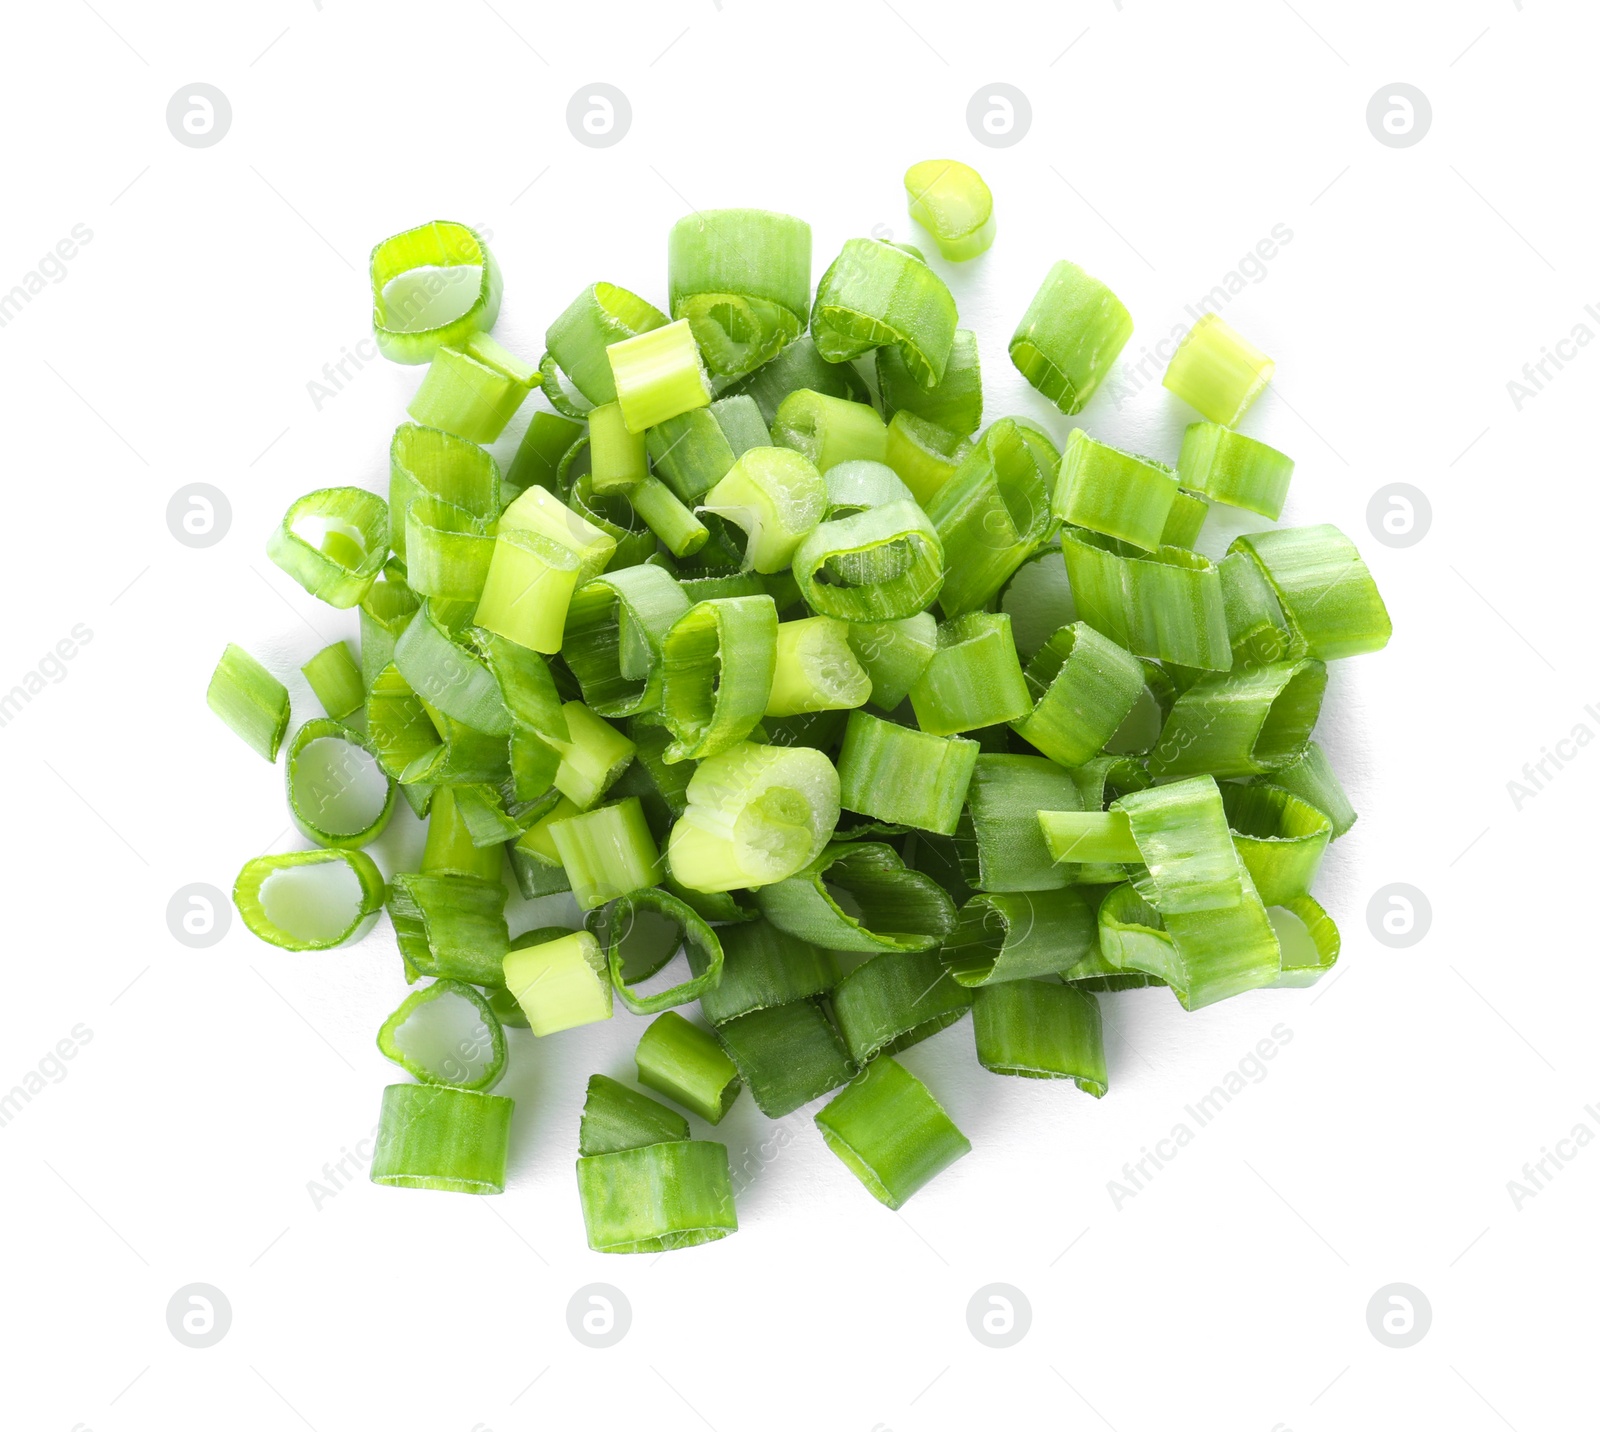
(1217, 371)
(438, 1137)
(446, 1033)
(560, 984)
(310, 899)
(432, 285)
(951, 201)
(251, 700)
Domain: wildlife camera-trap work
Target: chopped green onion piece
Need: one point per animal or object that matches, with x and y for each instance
(448, 550)
(645, 913)
(860, 897)
(309, 899)
(560, 983)
(578, 340)
(251, 700)
(446, 1033)
(924, 455)
(451, 926)
(891, 1133)
(798, 366)
(894, 654)
(658, 375)
(335, 680)
(449, 677)
(537, 718)
(462, 395)
(657, 1198)
(425, 462)
(1070, 336)
(990, 516)
(1327, 594)
(1217, 371)
(486, 823)
(777, 496)
(859, 484)
(607, 852)
(614, 514)
(756, 815)
(879, 565)
(1258, 631)
(616, 1117)
(434, 1136)
(717, 669)
(815, 669)
(873, 294)
(763, 967)
(593, 757)
(951, 201)
(1165, 604)
(895, 773)
(386, 611)
(1089, 837)
(686, 1064)
(1002, 846)
(398, 724)
(616, 456)
(1312, 778)
(896, 1000)
(1228, 467)
(1243, 722)
(692, 451)
(432, 285)
(1084, 687)
(675, 526)
(451, 847)
(1308, 940)
(954, 405)
(1118, 493)
(558, 392)
(1041, 1031)
(788, 1055)
(828, 431)
(1184, 521)
(1019, 936)
(1280, 838)
(333, 542)
(339, 795)
(974, 678)
(614, 633)
(546, 442)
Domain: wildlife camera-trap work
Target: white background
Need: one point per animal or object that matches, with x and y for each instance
(1166, 141)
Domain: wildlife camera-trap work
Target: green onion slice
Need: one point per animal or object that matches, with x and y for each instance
(1070, 336)
(434, 1136)
(1311, 777)
(616, 1117)
(1243, 722)
(398, 725)
(1184, 521)
(686, 1064)
(1002, 846)
(974, 678)
(951, 201)
(617, 457)
(251, 700)
(386, 610)
(880, 565)
(717, 662)
(798, 366)
(432, 285)
(924, 455)
(776, 496)
(694, 450)
(560, 983)
(674, 525)
(335, 680)
(1041, 1031)
(1118, 493)
(333, 542)
(658, 374)
(593, 757)
(1308, 940)
(460, 477)
(815, 669)
(895, 773)
(894, 654)
(1090, 837)
(538, 719)
(578, 340)
(309, 899)
(896, 1000)
(548, 438)
(607, 852)
(788, 1055)
(660, 921)
(446, 1033)
(1258, 631)
(890, 1132)
(1280, 838)
(451, 926)
(954, 405)
(1084, 687)
(1217, 371)
(1019, 936)
(859, 896)
(658, 1197)
(462, 394)
(1327, 594)
(558, 392)
(1228, 467)
(764, 966)
(828, 430)
(873, 294)
(339, 795)
(861, 483)
(615, 628)
(449, 677)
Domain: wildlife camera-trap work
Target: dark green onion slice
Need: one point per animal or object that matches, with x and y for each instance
(251, 700)
(560, 983)
(859, 896)
(1280, 838)
(614, 633)
(873, 294)
(1002, 847)
(692, 451)
(450, 926)
(607, 852)
(538, 718)
(894, 654)
(593, 757)
(1118, 493)
(899, 774)
(658, 1197)
(544, 444)
(1312, 778)
(1327, 594)
(335, 680)
(1041, 1031)
(1084, 687)
(616, 1117)
(890, 1132)
(788, 1055)
(615, 923)
(764, 966)
(974, 678)
(309, 899)
(441, 670)
(464, 395)
(686, 1064)
(1228, 467)
(896, 1000)
(717, 664)
(879, 565)
(434, 1136)
(446, 1033)
(434, 284)
(601, 315)
(954, 404)
(339, 794)
(1241, 723)
(1019, 936)
(1070, 336)
(1217, 371)
(798, 366)
(333, 542)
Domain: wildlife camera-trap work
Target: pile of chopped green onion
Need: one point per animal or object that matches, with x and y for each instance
(840, 713)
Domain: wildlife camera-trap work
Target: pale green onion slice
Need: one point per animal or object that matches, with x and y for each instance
(656, 1198)
(460, 394)
(433, 1136)
(1308, 940)
(1019, 936)
(692, 451)
(951, 201)
(891, 1133)
(861, 483)
(432, 285)
(879, 565)
(788, 1055)
(1089, 837)
(894, 654)
(1312, 778)
(1228, 467)
(1118, 493)
(1070, 336)
(1166, 604)
(1243, 722)
(828, 431)
(339, 795)
(923, 454)
(895, 1000)
(616, 1117)
(544, 444)
(1280, 838)
(451, 847)
(895, 773)
(954, 405)
(333, 542)
(756, 815)
(860, 897)
(873, 294)
(1258, 631)
(798, 366)
(386, 611)
(617, 457)
(607, 852)
(309, 899)
(335, 680)
(1002, 847)
(560, 983)
(251, 700)
(777, 496)
(815, 669)
(614, 633)
(688, 1065)
(578, 340)
(1217, 371)
(450, 926)
(544, 551)
(974, 678)
(674, 525)
(425, 462)
(718, 661)
(446, 1033)
(1084, 687)
(1327, 594)
(658, 374)
(592, 758)
(1037, 1030)
(763, 967)
(1184, 521)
